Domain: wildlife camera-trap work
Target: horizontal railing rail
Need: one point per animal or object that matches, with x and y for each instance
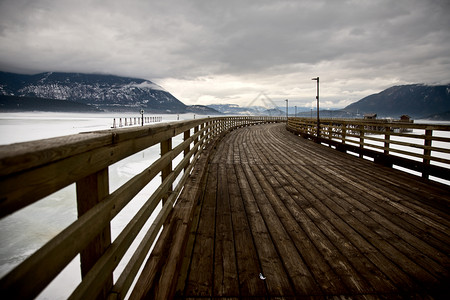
(424, 148)
(33, 170)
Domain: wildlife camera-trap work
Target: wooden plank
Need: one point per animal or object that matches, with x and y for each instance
(226, 278)
(354, 275)
(395, 256)
(343, 210)
(429, 220)
(114, 253)
(337, 221)
(21, 156)
(158, 278)
(54, 176)
(273, 212)
(277, 280)
(249, 268)
(180, 224)
(293, 204)
(200, 279)
(315, 170)
(325, 276)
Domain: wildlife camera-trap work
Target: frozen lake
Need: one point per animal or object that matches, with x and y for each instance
(27, 126)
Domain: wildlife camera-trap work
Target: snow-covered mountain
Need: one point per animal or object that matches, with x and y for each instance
(234, 109)
(416, 100)
(107, 92)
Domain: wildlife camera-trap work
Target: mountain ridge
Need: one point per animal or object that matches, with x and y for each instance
(116, 93)
(415, 100)
(105, 92)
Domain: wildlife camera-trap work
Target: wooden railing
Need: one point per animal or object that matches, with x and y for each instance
(424, 148)
(30, 171)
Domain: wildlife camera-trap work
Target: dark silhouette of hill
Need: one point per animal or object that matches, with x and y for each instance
(416, 100)
(14, 103)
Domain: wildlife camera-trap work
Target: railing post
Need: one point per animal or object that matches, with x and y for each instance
(90, 191)
(203, 134)
(387, 138)
(361, 140)
(207, 131)
(166, 146)
(216, 127)
(330, 131)
(427, 152)
(343, 133)
(187, 135)
(196, 139)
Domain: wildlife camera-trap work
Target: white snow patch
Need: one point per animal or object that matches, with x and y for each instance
(150, 85)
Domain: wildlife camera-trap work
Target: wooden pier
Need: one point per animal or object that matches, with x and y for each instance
(284, 217)
(258, 212)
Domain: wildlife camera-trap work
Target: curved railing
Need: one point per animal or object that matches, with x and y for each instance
(33, 170)
(424, 148)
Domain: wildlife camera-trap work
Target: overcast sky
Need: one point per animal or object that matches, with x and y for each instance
(226, 51)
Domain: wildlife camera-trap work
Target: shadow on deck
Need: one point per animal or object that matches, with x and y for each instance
(284, 217)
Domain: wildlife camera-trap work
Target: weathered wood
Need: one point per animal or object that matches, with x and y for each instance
(92, 190)
(166, 258)
(200, 282)
(302, 280)
(248, 265)
(166, 147)
(226, 283)
(51, 177)
(112, 257)
(21, 156)
(360, 229)
(186, 136)
(310, 221)
(277, 280)
(350, 132)
(46, 166)
(427, 151)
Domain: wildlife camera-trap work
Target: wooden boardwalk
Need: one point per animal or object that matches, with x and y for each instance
(285, 217)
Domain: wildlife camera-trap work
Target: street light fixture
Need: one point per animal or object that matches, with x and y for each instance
(317, 97)
(287, 103)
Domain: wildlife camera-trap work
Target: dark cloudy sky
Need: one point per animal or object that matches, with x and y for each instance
(227, 51)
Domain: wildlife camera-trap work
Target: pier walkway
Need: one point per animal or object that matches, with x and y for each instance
(285, 217)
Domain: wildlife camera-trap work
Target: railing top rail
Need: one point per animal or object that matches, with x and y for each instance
(51, 164)
(381, 123)
(20, 156)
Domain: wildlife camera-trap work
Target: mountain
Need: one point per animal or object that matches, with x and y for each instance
(416, 100)
(107, 92)
(202, 110)
(445, 116)
(234, 109)
(16, 104)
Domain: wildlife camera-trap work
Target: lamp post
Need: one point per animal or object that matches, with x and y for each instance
(296, 111)
(287, 103)
(317, 97)
(142, 117)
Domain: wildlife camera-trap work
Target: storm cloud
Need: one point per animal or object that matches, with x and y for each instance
(229, 51)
